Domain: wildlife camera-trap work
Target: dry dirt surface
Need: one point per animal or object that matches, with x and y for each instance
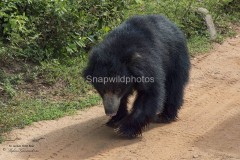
(208, 127)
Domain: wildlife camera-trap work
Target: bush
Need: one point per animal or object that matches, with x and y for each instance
(184, 13)
(46, 29)
(43, 29)
(224, 12)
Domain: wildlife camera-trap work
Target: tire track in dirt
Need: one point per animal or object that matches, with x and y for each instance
(208, 126)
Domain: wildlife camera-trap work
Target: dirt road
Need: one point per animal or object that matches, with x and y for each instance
(208, 127)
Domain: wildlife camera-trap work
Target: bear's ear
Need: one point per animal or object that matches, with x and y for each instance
(88, 71)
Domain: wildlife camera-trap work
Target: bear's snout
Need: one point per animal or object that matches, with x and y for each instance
(111, 104)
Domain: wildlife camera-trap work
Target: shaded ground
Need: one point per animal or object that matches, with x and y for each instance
(208, 125)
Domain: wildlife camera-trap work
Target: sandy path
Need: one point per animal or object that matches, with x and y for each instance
(208, 127)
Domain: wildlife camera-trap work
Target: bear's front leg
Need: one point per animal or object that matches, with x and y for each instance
(121, 113)
(144, 108)
(115, 120)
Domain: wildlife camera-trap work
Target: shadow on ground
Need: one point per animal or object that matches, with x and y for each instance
(80, 141)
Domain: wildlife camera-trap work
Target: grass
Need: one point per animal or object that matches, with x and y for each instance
(55, 88)
(26, 111)
(51, 90)
(199, 45)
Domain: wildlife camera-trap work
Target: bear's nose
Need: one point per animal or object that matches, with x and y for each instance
(110, 114)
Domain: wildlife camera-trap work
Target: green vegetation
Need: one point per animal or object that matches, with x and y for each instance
(42, 92)
(46, 29)
(44, 45)
(184, 14)
(22, 112)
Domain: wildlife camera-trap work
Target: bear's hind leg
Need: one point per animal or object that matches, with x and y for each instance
(175, 84)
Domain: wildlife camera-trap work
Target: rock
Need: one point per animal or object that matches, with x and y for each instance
(209, 22)
(203, 11)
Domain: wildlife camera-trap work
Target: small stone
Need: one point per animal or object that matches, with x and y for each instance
(195, 156)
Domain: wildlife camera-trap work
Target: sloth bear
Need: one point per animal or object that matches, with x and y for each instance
(146, 54)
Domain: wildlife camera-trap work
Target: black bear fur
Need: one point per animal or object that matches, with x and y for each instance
(143, 46)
